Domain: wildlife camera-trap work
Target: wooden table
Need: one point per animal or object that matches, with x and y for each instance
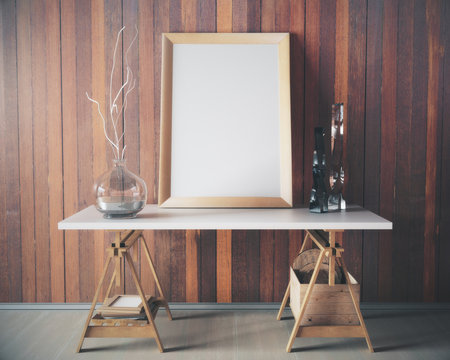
(322, 230)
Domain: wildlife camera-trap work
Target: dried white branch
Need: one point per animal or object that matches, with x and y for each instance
(114, 146)
(115, 112)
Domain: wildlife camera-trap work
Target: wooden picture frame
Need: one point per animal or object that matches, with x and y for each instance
(225, 120)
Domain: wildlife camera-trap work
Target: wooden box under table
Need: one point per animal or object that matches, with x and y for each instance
(328, 305)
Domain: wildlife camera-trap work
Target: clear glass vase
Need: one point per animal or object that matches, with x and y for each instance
(119, 192)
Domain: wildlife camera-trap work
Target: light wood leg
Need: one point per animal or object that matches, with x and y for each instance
(152, 268)
(144, 302)
(94, 302)
(284, 302)
(305, 301)
(356, 305)
(331, 258)
(288, 289)
(118, 262)
(111, 283)
(305, 241)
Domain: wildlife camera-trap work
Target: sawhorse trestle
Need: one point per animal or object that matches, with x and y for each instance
(99, 327)
(326, 241)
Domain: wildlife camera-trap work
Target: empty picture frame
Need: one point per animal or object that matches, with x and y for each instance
(225, 120)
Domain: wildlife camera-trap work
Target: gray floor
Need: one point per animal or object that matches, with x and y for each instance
(226, 334)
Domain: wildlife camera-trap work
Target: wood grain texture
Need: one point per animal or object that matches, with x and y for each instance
(40, 149)
(403, 215)
(418, 157)
(192, 269)
(223, 260)
(83, 16)
(245, 265)
(4, 281)
(354, 142)
(11, 267)
(100, 79)
(55, 163)
(444, 210)
(148, 143)
(388, 61)
(266, 262)
(372, 144)
(387, 147)
(70, 150)
(433, 12)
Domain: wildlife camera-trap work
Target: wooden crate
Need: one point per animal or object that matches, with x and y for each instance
(328, 305)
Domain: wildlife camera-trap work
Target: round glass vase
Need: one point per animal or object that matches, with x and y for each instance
(119, 192)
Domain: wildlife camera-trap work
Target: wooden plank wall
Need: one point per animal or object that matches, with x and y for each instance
(388, 61)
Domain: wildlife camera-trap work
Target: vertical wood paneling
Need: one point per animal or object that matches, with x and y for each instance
(40, 149)
(245, 265)
(85, 142)
(207, 261)
(192, 268)
(297, 50)
(372, 145)
(10, 248)
(281, 264)
(4, 281)
(224, 15)
(266, 262)
(444, 224)
(148, 162)
(99, 81)
(354, 167)
(177, 265)
(70, 153)
(418, 155)
(434, 73)
(403, 217)
(388, 143)
(312, 46)
(386, 60)
(224, 263)
(55, 164)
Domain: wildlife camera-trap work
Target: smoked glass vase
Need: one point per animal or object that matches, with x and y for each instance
(119, 192)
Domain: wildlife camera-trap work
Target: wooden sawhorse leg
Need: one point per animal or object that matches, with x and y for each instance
(328, 247)
(125, 327)
(288, 288)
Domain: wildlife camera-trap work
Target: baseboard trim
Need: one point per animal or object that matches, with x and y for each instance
(227, 306)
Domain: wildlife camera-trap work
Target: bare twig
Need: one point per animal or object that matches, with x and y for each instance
(114, 111)
(114, 146)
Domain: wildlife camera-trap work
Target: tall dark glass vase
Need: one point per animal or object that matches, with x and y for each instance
(318, 202)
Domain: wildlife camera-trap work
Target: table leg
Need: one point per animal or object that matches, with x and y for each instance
(287, 292)
(356, 305)
(111, 283)
(144, 302)
(94, 302)
(152, 268)
(284, 302)
(305, 301)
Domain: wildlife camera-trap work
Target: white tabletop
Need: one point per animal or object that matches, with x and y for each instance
(154, 218)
